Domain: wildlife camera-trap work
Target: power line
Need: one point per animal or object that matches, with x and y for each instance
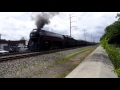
(71, 22)
(84, 34)
(61, 20)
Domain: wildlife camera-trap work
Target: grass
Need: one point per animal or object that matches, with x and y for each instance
(74, 65)
(114, 55)
(66, 73)
(118, 72)
(63, 60)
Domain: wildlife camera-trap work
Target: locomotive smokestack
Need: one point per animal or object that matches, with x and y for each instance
(43, 18)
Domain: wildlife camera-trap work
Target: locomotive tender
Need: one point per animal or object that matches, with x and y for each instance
(46, 40)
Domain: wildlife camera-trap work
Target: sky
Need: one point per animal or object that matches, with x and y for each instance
(85, 25)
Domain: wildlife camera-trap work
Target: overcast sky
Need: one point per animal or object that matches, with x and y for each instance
(14, 25)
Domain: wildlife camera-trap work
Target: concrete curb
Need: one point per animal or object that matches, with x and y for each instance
(96, 65)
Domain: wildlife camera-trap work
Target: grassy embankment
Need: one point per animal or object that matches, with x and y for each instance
(114, 54)
(65, 60)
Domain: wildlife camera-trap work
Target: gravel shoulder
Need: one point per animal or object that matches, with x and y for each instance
(54, 65)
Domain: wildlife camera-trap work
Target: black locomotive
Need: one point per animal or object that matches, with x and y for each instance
(44, 40)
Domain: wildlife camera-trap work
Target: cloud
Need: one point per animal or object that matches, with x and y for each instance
(14, 25)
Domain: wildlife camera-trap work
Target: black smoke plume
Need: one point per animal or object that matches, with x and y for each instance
(43, 18)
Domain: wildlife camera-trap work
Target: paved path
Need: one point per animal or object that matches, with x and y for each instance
(96, 65)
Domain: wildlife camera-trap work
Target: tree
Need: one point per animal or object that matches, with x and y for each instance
(112, 32)
(118, 15)
(22, 38)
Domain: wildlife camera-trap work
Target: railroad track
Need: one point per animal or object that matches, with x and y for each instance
(29, 54)
(17, 56)
(8, 54)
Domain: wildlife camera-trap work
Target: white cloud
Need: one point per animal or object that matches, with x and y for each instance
(14, 25)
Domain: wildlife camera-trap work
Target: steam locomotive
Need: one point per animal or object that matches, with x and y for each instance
(45, 40)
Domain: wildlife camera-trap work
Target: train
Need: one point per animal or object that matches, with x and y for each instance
(41, 40)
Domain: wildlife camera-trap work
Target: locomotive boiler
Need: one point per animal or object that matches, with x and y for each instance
(45, 40)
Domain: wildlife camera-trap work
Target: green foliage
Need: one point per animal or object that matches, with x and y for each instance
(112, 33)
(118, 15)
(114, 55)
(118, 72)
(111, 42)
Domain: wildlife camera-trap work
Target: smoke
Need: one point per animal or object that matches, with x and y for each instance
(44, 18)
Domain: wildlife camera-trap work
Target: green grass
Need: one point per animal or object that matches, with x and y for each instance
(62, 76)
(118, 72)
(75, 65)
(65, 74)
(114, 55)
(63, 60)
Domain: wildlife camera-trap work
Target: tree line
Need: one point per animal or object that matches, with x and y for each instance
(112, 32)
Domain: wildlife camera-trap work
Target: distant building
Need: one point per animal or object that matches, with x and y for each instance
(5, 43)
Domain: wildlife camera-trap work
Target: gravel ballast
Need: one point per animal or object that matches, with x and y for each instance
(41, 66)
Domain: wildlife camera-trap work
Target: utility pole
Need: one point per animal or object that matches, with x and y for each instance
(94, 40)
(91, 37)
(71, 22)
(84, 35)
(0, 36)
(0, 39)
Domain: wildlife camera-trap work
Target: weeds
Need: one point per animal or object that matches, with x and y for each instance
(64, 60)
(114, 54)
